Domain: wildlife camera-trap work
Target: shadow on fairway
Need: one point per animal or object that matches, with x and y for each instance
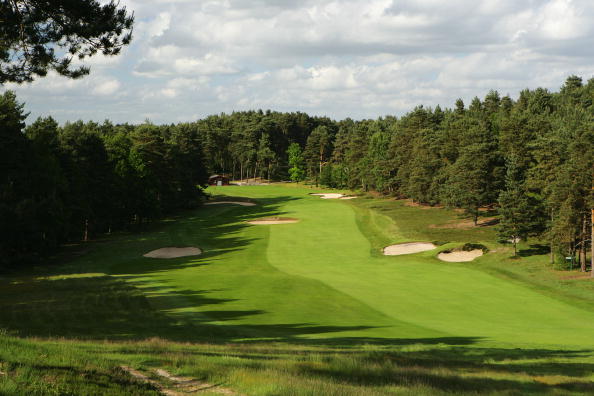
(215, 229)
(104, 307)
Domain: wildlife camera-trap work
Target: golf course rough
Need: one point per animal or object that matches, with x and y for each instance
(273, 220)
(174, 252)
(241, 203)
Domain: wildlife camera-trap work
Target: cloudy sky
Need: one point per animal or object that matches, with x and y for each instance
(351, 58)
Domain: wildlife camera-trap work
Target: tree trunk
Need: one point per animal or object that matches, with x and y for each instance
(241, 171)
(551, 244)
(514, 239)
(583, 245)
(86, 235)
(592, 243)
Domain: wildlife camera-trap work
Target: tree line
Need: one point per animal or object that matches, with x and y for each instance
(73, 182)
(531, 159)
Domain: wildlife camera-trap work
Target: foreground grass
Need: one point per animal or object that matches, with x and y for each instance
(67, 367)
(305, 308)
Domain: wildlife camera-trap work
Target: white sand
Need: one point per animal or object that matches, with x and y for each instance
(174, 252)
(273, 220)
(459, 256)
(408, 248)
(231, 202)
(329, 195)
(348, 197)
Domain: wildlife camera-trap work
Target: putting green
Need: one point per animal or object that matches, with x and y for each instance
(322, 278)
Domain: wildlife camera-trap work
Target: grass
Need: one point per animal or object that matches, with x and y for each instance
(306, 308)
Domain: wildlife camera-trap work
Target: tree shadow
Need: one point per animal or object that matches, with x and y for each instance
(450, 382)
(534, 250)
(216, 229)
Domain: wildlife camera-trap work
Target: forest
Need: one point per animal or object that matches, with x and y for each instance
(530, 159)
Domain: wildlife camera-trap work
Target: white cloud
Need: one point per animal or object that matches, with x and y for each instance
(108, 87)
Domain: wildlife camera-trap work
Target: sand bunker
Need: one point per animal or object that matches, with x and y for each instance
(231, 202)
(329, 195)
(174, 252)
(458, 256)
(408, 248)
(273, 220)
(348, 197)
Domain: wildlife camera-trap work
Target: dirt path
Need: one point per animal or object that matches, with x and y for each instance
(177, 386)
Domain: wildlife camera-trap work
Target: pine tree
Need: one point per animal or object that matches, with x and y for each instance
(34, 34)
(296, 163)
(516, 219)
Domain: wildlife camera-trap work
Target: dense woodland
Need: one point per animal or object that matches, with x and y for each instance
(531, 159)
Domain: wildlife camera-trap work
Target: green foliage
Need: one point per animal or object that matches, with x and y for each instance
(296, 163)
(521, 214)
(38, 36)
(75, 182)
(317, 150)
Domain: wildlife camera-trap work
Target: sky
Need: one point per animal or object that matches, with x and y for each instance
(350, 58)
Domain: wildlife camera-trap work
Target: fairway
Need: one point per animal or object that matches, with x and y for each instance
(324, 278)
(333, 267)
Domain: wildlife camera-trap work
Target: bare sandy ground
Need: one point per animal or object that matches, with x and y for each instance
(483, 222)
(329, 195)
(231, 202)
(332, 196)
(459, 256)
(273, 220)
(408, 248)
(177, 386)
(173, 252)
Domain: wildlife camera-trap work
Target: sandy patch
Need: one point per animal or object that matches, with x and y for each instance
(408, 248)
(329, 195)
(459, 256)
(273, 220)
(231, 202)
(174, 252)
(348, 197)
(411, 203)
(583, 275)
(177, 386)
(483, 222)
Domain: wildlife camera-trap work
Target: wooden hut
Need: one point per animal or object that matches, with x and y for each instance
(218, 180)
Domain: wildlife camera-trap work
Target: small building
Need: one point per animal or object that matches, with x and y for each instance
(218, 180)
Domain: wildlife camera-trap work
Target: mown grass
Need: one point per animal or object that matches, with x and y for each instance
(305, 308)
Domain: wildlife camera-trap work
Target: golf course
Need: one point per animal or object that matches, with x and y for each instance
(308, 306)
